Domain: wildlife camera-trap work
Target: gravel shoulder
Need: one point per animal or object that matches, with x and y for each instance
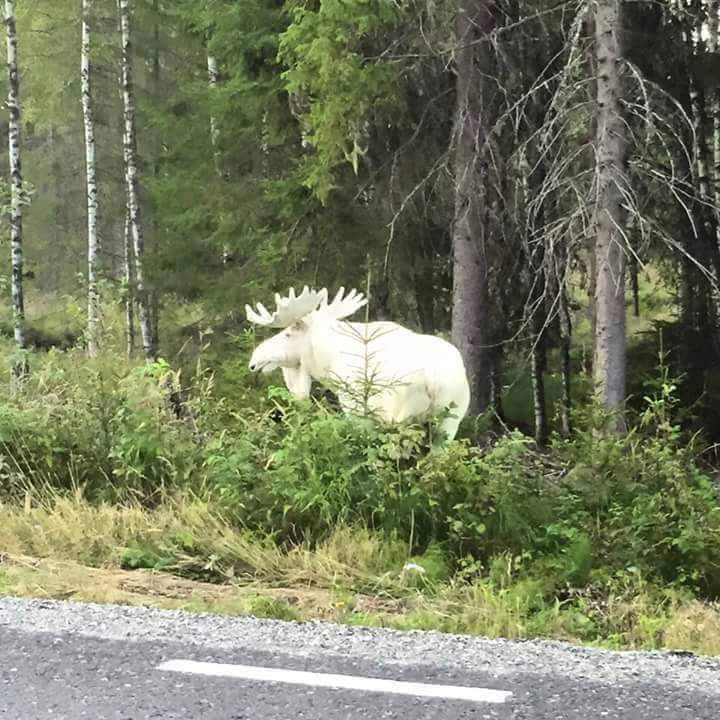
(495, 658)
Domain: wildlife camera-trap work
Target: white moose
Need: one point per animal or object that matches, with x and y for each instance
(410, 376)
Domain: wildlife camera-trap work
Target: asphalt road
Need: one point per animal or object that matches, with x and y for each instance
(71, 660)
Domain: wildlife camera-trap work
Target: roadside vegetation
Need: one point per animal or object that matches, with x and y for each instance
(205, 490)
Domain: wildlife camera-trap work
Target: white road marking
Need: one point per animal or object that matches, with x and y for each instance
(344, 682)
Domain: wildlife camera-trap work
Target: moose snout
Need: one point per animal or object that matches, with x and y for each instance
(256, 362)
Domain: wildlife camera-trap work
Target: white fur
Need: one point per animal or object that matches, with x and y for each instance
(412, 376)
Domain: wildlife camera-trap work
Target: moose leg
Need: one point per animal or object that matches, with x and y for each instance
(448, 429)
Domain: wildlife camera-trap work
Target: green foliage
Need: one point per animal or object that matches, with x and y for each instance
(323, 47)
(273, 608)
(101, 425)
(590, 509)
(136, 558)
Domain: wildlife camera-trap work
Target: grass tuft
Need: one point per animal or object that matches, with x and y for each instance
(182, 555)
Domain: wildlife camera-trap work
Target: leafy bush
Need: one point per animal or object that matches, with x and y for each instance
(590, 509)
(102, 425)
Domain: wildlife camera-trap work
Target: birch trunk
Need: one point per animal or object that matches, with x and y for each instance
(128, 280)
(213, 80)
(537, 378)
(265, 144)
(93, 337)
(471, 311)
(132, 183)
(703, 148)
(608, 220)
(20, 366)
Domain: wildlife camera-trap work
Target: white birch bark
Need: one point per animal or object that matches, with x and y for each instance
(213, 80)
(265, 144)
(128, 282)
(132, 182)
(93, 300)
(608, 221)
(20, 368)
(698, 101)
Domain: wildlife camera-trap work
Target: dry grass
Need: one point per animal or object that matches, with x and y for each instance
(65, 580)
(191, 539)
(695, 626)
(63, 547)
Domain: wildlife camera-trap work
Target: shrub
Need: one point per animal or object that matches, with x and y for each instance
(99, 424)
(589, 508)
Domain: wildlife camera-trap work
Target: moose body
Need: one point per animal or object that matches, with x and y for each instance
(379, 367)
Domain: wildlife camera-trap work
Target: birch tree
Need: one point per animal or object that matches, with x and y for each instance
(128, 284)
(213, 80)
(608, 217)
(470, 311)
(20, 366)
(93, 339)
(132, 182)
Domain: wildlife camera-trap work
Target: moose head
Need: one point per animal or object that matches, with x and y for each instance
(305, 340)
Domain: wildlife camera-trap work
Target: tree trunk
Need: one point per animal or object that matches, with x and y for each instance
(265, 144)
(703, 154)
(707, 252)
(129, 294)
(713, 8)
(609, 249)
(424, 285)
(529, 184)
(537, 378)
(20, 366)
(93, 338)
(538, 354)
(565, 368)
(635, 285)
(471, 299)
(495, 391)
(213, 80)
(131, 179)
(154, 294)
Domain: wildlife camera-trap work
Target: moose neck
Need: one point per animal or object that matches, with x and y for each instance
(318, 354)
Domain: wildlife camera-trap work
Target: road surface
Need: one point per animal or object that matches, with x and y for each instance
(71, 660)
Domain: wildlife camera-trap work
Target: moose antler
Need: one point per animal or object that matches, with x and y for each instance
(343, 307)
(288, 310)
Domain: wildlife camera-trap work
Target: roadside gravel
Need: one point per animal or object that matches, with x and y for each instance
(497, 658)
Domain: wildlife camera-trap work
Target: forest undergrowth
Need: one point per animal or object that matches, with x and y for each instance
(116, 488)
